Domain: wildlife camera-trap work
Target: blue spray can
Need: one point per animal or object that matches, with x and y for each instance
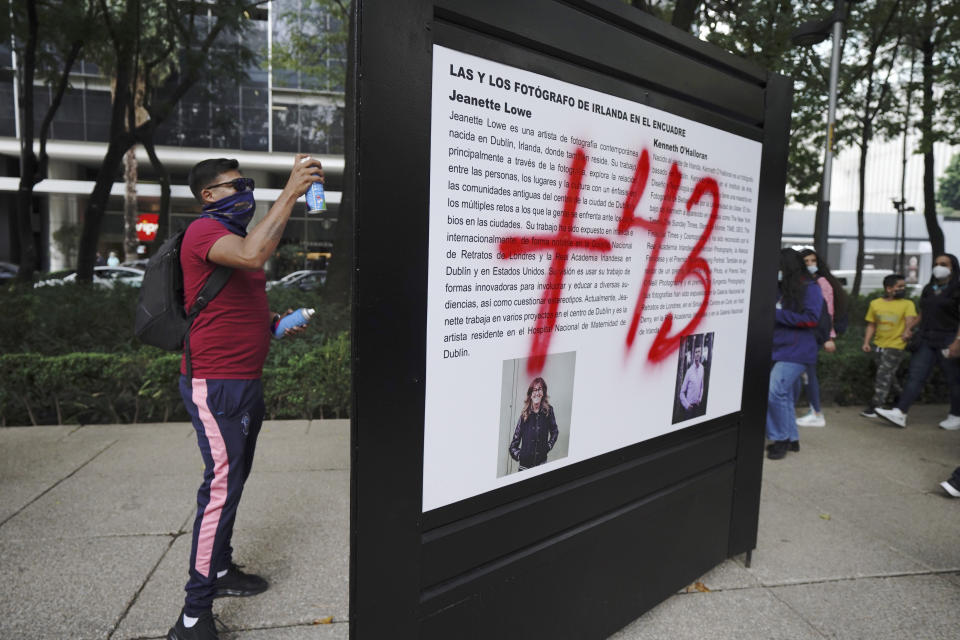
(299, 317)
(316, 199)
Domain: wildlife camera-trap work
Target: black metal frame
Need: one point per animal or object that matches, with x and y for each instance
(598, 542)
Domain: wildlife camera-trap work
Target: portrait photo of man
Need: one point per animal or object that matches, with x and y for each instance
(693, 371)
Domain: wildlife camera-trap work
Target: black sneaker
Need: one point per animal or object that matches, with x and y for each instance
(205, 629)
(869, 413)
(778, 449)
(237, 583)
(794, 445)
(951, 487)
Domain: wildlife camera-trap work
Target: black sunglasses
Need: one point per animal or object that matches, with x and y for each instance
(238, 184)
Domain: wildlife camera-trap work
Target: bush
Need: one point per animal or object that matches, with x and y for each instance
(70, 318)
(70, 357)
(75, 388)
(85, 388)
(328, 396)
(66, 319)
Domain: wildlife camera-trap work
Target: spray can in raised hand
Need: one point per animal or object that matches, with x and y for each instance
(299, 317)
(316, 199)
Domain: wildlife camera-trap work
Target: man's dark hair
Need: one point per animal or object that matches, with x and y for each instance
(892, 279)
(206, 171)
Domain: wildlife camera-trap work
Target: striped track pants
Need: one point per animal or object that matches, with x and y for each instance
(227, 415)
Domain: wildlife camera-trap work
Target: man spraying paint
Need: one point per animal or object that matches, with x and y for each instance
(229, 342)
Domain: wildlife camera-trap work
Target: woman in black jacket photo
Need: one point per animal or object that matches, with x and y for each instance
(536, 431)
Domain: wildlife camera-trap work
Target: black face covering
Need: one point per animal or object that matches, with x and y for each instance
(900, 294)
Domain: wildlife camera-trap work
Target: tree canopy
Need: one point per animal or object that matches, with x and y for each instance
(949, 192)
(157, 52)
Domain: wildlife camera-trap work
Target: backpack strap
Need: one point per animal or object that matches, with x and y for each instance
(214, 284)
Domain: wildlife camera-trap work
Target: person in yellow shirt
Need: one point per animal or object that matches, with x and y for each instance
(889, 322)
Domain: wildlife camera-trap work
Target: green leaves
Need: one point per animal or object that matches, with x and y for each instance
(85, 388)
(949, 191)
(70, 357)
(312, 43)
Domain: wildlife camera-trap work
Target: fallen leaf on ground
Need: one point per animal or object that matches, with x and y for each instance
(698, 586)
(327, 620)
(825, 516)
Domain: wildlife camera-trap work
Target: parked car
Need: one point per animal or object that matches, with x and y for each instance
(870, 281)
(8, 271)
(305, 280)
(102, 276)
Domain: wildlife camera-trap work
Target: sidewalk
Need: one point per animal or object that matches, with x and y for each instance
(856, 538)
(95, 521)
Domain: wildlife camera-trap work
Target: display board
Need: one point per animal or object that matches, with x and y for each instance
(597, 242)
(567, 227)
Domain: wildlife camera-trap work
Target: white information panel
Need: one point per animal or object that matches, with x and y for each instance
(589, 274)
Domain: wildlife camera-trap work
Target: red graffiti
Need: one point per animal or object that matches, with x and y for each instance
(694, 266)
(562, 242)
(657, 228)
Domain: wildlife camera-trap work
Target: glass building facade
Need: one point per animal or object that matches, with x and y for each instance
(283, 111)
(266, 111)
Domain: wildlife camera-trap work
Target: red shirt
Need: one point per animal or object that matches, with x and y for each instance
(231, 337)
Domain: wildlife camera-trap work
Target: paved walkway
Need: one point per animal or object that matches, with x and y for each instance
(856, 538)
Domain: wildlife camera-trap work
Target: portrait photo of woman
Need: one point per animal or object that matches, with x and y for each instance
(536, 431)
(535, 410)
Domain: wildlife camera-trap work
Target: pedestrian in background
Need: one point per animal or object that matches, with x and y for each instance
(836, 299)
(794, 347)
(890, 320)
(952, 484)
(935, 333)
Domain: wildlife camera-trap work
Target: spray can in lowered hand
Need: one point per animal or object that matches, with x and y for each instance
(299, 317)
(316, 199)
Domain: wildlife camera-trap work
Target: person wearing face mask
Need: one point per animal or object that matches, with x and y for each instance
(794, 347)
(228, 341)
(936, 331)
(889, 319)
(537, 430)
(836, 299)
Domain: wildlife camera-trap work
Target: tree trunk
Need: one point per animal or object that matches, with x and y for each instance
(164, 229)
(97, 205)
(130, 241)
(120, 140)
(339, 278)
(928, 107)
(683, 13)
(865, 134)
(28, 160)
(926, 127)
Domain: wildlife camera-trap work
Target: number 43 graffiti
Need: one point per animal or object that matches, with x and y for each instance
(564, 241)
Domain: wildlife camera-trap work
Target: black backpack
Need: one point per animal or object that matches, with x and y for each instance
(160, 319)
(824, 323)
